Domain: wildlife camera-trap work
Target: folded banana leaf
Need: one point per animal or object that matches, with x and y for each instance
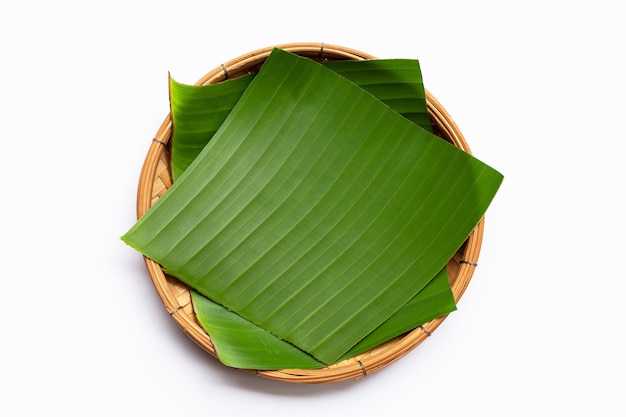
(197, 112)
(315, 212)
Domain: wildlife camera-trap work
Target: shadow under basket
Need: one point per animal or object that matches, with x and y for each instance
(155, 179)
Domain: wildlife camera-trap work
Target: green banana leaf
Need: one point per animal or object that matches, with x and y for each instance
(315, 212)
(434, 301)
(198, 111)
(242, 344)
(396, 82)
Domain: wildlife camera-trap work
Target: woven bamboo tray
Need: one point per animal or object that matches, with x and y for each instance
(155, 179)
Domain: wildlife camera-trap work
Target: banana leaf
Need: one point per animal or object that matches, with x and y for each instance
(434, 301)
(396, 82)
(241, 344)
(198, 111)
(315, 212)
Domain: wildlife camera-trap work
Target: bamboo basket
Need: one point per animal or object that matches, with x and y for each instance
(155, 179)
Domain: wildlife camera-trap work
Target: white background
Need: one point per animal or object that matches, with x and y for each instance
(536, 87)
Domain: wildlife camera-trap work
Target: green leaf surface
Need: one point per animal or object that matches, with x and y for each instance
(241, 344)
(396, 82)
(315, 212)
(198, 111)
(434, 301)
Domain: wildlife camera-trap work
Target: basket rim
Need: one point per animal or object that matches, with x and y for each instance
(169, 289)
